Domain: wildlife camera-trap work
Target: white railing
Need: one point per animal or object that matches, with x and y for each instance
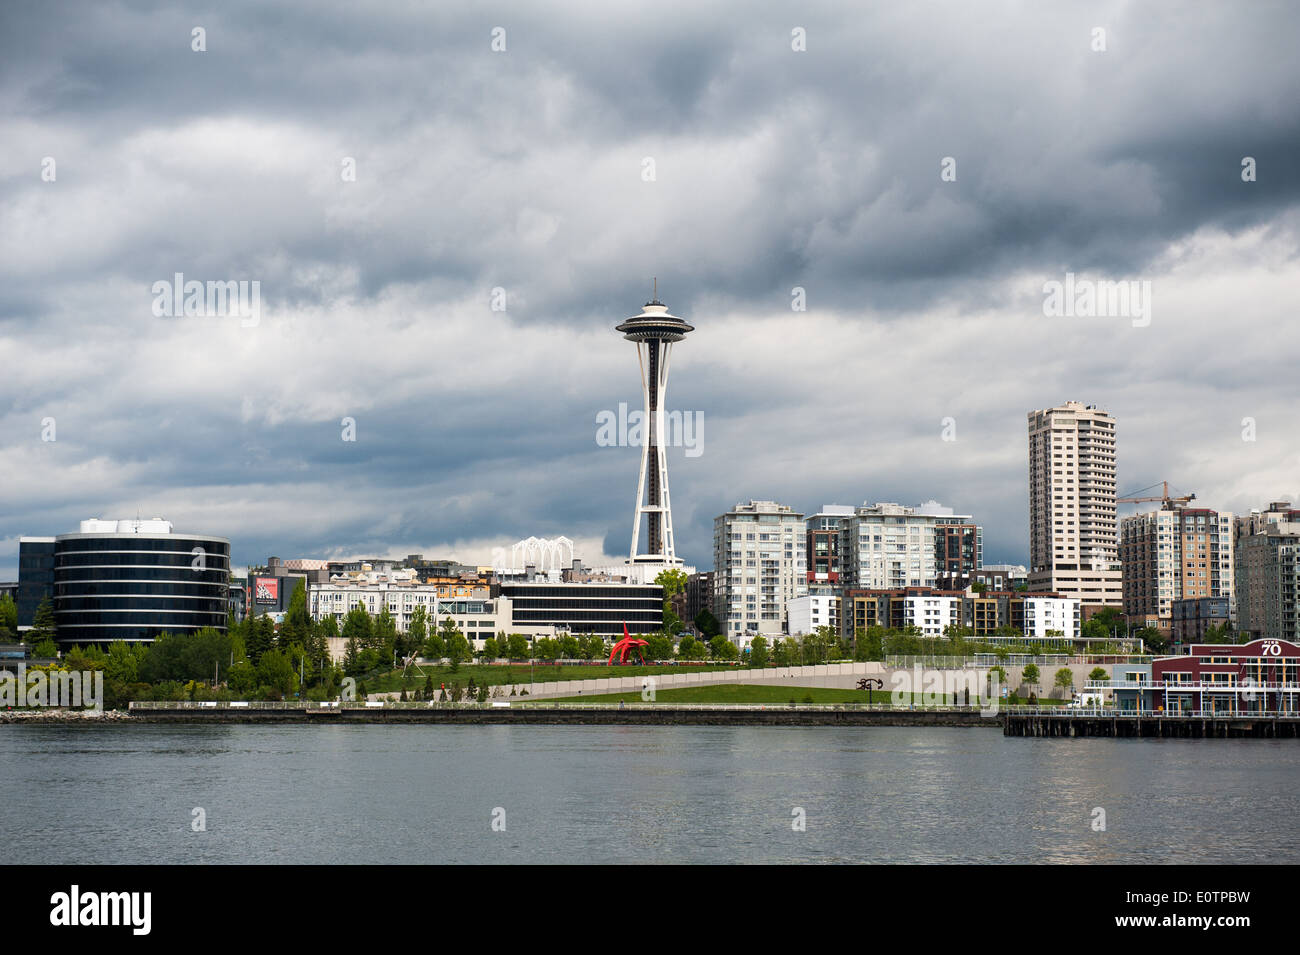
(1111, 711)
(1192, 687)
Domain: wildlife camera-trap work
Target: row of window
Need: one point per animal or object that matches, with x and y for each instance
(125, 544)
(118, 559)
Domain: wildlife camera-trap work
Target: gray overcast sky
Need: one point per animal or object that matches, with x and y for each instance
(523, 169)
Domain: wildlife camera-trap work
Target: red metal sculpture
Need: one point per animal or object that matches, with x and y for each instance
(625, 646)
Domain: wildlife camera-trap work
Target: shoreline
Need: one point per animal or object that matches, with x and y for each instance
(659, 715)
(1022, 724)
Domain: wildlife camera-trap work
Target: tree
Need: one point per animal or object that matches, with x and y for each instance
(385, 632)
(869, 644)
(707, 624)
(418, 632)
(517, 647)
(1098, 674)
(276, 673)
(1104, 624)
(1152, 639)
(325, 630)
(186, 657)
(43, 625)
(691, 649)
(723, 649)
(297, 622)
(1065, 679)
(826, 640)
(123, 663)
(490, 650)
(673, 582)
(996, 674)
(570, 649)
(758, 652)
(8, 619)
(658, 647)
(357, 626)
(457, 649)
(261, 636)
(787, 652)
(1030, 675)
(47, 649)
(242, 678)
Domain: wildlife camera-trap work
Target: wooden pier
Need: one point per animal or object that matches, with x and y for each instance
(1058, 722)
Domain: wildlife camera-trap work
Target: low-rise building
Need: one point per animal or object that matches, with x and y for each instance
(1037, 616)
(1002, 577)
(1192, 619)
(929, 610)
(812, 611)
(596, 608)
(1217, 679)
(126, 580)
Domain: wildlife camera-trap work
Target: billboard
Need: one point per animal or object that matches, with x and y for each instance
(266, 590)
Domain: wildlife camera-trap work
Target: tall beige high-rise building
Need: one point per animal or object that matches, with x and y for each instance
(1073, 547)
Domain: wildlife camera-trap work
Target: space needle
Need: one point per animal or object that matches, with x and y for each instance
(655, 332)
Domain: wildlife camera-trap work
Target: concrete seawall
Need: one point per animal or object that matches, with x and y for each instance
(656, 715)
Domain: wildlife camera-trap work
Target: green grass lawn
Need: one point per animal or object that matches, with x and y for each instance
(497, 674)
(742, 693)
(752, 693)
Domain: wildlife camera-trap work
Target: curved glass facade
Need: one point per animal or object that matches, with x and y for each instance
(136, 586)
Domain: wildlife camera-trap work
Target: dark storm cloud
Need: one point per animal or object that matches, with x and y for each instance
(522, 170)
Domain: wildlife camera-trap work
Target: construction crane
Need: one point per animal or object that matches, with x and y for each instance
(1164, 497)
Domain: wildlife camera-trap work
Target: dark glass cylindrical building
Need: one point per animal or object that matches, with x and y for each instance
(138, 580)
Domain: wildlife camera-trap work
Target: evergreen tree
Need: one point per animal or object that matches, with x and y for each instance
(43, 625)
(261, 637)
(385, 633)
(297, 622)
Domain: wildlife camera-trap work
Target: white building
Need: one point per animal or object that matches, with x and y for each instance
(1045, 617)
(932, 613)
(759, 566)
(477, 616)
(1073, 546)
(811, 611)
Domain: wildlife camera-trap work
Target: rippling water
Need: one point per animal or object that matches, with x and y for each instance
(375, 794)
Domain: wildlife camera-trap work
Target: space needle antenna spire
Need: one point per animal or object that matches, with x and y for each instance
(654, 331)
